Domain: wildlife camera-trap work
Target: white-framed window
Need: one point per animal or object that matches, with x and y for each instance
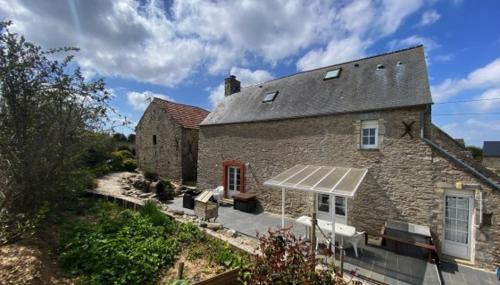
(324, 203)
(324, 207)
(340, 203)
(369, 134)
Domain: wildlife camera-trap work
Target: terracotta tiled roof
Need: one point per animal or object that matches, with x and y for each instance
(185, 115)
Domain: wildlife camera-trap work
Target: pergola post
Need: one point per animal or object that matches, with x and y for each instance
(314, 222)
(341, 249)
(283, 207)
(332, 216)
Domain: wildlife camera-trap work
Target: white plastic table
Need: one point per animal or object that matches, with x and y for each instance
(341, 230)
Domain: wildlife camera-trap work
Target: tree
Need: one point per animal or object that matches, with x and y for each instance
(131, 138)
(119, 137)
(48, 112)
(477, 153)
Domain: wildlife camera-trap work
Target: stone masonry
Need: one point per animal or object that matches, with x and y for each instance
(492, 162)
(167, 140)
(164, 157)
(407, 178)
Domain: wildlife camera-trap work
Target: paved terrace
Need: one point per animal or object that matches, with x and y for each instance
(382, 266)
(379, 264)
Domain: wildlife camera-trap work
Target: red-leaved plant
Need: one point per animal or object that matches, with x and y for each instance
(286, 259)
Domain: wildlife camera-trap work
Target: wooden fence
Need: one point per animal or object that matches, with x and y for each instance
(227, 278)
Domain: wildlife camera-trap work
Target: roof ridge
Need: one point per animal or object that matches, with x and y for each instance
(180, 104)
(336, 64)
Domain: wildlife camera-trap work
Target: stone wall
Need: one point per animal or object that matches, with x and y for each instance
(164, 157)
(492, 162)
(405, 179)
(189, 154)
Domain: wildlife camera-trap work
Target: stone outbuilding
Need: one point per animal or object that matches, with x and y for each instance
(491, 155)
(167, 139)
(376, 114)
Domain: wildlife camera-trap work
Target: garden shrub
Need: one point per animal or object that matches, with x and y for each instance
(129, 165)
(122, 160)
(123, 154)
(286, 259)
(125, 147)
(166, 191)
(101, 169)
(122, 247)
(150, 175)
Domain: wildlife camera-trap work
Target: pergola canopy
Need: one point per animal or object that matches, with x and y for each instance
(329, 180)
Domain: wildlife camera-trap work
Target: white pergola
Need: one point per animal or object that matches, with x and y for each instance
(329, 180)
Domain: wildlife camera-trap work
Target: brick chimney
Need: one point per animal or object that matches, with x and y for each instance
(231, 85)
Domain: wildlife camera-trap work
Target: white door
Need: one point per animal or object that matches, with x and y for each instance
(233, 180)
(457, 225)
(324, 207)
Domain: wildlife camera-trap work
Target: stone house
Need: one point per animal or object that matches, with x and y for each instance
(167, 139)
(376, 114)
(491, 155)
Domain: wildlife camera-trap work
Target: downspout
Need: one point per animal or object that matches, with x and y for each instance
(449, 155)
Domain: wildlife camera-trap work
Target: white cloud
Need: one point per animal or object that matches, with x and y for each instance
(139, 101)
(490, 100)
(474, 131)
(357, 25)
(429, 18)
(143, 41)
(484, 77)
(443, 57)
(414, 40)
(335, 52)
(148, 42)
(245, 76)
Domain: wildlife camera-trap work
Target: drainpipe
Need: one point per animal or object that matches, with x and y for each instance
(449, 155)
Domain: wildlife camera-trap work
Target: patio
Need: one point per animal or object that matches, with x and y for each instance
(380, 265)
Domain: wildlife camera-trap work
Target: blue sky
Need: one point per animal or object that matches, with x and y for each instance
(182, 50)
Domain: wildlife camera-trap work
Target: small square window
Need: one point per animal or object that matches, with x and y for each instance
(269, 96)
(335, 73)
(369, 134)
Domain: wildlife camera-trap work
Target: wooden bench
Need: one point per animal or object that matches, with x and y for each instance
(414, 231)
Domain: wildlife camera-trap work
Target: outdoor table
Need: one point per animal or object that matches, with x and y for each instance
(410, 234)
(342, 230)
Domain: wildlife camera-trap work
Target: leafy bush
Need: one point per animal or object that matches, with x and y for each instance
(166, 191)
(122, 247)
(122, 154)
(122, 160)
(16, 226)
(101, 169)
(150, 175)
(129, 165)
(125, 147)
(286, 259)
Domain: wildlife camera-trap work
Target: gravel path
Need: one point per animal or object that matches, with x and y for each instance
(113, 184)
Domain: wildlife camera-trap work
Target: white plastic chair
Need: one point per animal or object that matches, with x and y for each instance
(357, 241)
(218, 194)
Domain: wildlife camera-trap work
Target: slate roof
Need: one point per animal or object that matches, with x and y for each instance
(187, 116)
(491, 148)
(361, 86)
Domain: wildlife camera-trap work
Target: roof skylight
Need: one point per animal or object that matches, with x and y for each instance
(334, 73)
(269, 96)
